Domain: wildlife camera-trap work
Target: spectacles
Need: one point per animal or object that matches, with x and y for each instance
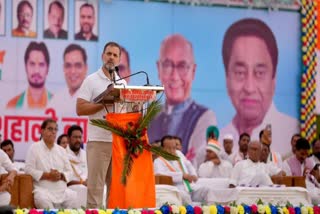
(52, 129)
(168, 66)
(77, 65)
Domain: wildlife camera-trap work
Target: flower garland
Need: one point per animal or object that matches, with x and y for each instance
(189, 209)
(134, 140)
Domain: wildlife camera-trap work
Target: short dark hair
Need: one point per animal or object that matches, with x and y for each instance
(302, 144)
(74, 128)
(60, 138)
(6, 143)
(177, 138)
(260, 134)
(250, 27)
(35, 46)
(314, 142)
(112, 44)
(21, 5)
(243, 135)
(76, 47)
(166, 137)
(87, 5)
(58, 4)
(46, 122)
(295, 135)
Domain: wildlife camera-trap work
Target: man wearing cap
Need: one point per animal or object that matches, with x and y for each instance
(228, 154)
(214, 166)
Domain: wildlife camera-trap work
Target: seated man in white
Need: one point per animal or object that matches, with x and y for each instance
(6, 183)
(214, 166)
(266, 139)
(8, 147)
(251, 172)
(184, 178)
(242, 154)
(78, 161)
(228, 153)
(316, 151)
(299, 164)
(50, 168)
(313, 184)
(264, 158)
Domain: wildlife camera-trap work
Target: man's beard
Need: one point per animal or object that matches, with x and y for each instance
(36, 84)
(86, 29)
(75, 148)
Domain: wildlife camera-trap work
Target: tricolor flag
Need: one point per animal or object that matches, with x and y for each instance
(2, 53)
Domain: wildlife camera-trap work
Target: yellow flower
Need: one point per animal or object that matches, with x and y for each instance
(310, 210)
(81, 211)
(261, 209)
(206, 210)
(60, 212)
(157, 212)
(129, 212)
(19, 211)
(73, 211)
(67, 211)
(175, 209)
(233, 210)
(240, 209)
(102, 211)
(182, 210)
(268, 210)
(213, 209)
(285, 210)
(280, 211)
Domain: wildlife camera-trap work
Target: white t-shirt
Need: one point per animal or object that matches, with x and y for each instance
(91, 87)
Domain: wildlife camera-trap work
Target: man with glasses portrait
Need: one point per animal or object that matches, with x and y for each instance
(181, 115)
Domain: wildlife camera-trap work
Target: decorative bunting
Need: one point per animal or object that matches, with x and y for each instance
(309, 61)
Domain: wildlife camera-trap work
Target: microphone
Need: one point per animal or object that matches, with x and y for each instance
(139, 72)
(112, 75)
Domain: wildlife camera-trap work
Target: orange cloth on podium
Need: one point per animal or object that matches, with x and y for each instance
(139, 192)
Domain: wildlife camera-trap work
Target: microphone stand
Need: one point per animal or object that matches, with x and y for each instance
(139, 72)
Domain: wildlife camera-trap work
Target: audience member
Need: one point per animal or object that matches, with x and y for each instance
(228, 153)
(214, 166)
(78, 160)
(184, 176)
(251, 172)
(63, 141)
(293, 142)
(6, 183)
(50, 168)
(313, 184)
(299, 164)
(316, 151)
(8, 147)
(244, 140)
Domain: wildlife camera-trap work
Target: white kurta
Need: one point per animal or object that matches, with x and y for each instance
(40, 159)
(250, 173)
(209, 170)
(6, 166)
(80, 171)
(199, 192)
(313, 187)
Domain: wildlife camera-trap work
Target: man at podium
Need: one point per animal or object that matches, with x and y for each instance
(99, 147)
(181, 115)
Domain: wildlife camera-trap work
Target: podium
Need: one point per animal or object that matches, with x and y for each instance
(139, 190)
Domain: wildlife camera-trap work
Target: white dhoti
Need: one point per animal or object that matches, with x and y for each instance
(5, 198)
(45, 199)
(81, 191)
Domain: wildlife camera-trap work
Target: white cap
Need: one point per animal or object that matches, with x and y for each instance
(228, 137)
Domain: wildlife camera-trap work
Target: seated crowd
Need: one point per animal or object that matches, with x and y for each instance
(59, 170)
